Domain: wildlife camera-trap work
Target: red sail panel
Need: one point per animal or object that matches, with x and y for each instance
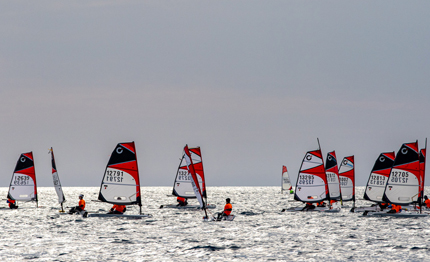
(198, 167)
(192, 172)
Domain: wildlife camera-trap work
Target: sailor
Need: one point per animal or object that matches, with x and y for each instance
(80, 207)
(321, 204)
(309, 206)
(117, 209)
(181, 201)
(11, 203)
(427, 201)
(395, 208)
(227, 210)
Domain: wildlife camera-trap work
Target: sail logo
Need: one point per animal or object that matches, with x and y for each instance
(404, 151)
(119, 150)
(22, 159)
(105, 186)
(390, 187)
(308, 157)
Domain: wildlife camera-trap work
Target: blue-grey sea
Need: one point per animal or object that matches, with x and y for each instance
(260, 232)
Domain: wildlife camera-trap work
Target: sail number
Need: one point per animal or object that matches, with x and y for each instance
(377, 180)
(343, 181)
(114, 176)
(21, 180)
(331, 178)
(306, 179)
(399, 177)
(183, 176)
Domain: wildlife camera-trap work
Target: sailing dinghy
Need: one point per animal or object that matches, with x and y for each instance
(403, 184)
(311, 186)
(23, 185)
(121, 183)
(183, 187)
(56, 180)
(286, 182)
(347, 180)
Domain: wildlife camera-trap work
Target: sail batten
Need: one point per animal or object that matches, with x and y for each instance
(121, 183)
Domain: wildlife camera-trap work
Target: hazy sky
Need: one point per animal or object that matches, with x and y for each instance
(254, 83)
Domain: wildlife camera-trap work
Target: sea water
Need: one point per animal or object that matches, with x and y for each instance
(259, 232)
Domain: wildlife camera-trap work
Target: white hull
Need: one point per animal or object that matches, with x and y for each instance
(403, 214)
(227, 218)
(316, 209)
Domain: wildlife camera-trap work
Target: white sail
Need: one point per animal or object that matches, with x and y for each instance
(23, 184)
(194, 181)
(403, 184)
(347, 177)
(311, 183)
(56, 180)
(183, 181)
(286, 183)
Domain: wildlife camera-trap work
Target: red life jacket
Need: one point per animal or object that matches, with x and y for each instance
(119, 208)
(181, 199)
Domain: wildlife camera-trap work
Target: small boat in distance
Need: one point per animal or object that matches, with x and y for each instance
(286, 182)
(56, 180)
(121, 183)
(23, 186)
(332, 173)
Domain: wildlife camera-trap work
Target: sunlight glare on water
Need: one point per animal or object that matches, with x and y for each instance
(259, 232)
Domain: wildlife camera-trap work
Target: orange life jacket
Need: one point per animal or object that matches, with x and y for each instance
(181, 199)
(119, 208)
(82, 204)
(427, 202)
(227, 209)
(11, 202)
(332, 201)
(320, 203)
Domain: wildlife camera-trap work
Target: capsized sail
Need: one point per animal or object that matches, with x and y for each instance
(403, 183)
(121, 184)
(193, 174)
(286, 184)
(332, 173)
(378, 177)
(23, 185)
(311, 183)
(56, 179)
(347, 179)
(182, 186)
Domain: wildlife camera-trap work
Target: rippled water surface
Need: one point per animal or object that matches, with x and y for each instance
(259, 232)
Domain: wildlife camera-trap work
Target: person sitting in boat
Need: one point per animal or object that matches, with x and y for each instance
(309, 206)
(118, 209)
(321, 204)
(334, 204)
(383, 205)
(395, 209)
(11, 203)
(227, 210)
(80, 207)
(427, 201)
(181, 201)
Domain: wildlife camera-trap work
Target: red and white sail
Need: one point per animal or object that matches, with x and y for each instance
(286, 183)
(194, 179)
(182, 186)
(332, 173)
(378, 177)
(121, 183)
(311, 183)
(403, 186)
(23, 185)
(347, 179)
(56, 180)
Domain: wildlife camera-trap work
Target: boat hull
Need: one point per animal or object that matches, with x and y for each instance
(120, 216)
(187, 206)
